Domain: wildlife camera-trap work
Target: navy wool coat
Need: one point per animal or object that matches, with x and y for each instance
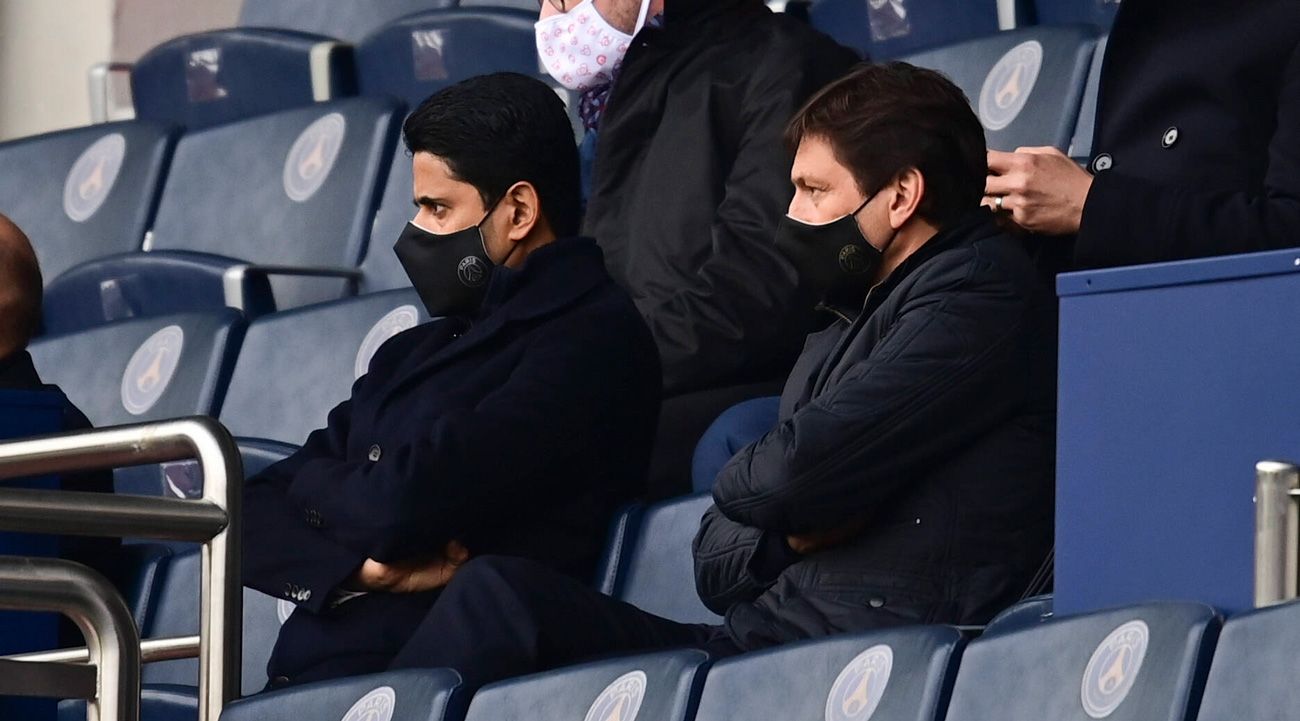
(518, 432)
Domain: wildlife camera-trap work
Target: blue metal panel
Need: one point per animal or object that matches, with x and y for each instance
(1174, 380)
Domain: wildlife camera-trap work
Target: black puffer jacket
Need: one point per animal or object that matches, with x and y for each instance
(691, 176)
(930, 419)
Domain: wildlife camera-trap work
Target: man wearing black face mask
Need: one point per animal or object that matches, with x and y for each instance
(910, 477)
(514, 424)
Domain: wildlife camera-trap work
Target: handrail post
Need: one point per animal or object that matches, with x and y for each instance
(212, 520)
(49, 584)
(1277, 532)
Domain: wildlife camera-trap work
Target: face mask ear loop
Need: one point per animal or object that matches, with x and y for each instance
(482, 239)
(641, 16)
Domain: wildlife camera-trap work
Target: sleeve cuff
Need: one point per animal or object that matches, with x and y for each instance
(771, 556)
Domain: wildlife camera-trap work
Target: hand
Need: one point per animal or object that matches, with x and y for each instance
(806, 543)
(1042, 190)
(410, 576)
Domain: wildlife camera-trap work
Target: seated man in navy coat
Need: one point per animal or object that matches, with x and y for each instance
(516, 424)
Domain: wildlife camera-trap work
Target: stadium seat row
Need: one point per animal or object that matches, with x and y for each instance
(1156, 661)
(132, 219)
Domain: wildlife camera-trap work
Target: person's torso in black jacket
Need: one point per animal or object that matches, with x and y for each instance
(18, 373)
(931, 419)
(690, 177)
(1197, 145)
(518, 434)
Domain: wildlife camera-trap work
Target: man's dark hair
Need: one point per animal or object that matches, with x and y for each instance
(882, 119)
(20, 288)
(496, 130)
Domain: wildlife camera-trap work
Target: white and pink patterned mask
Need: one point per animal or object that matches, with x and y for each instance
(580, 49)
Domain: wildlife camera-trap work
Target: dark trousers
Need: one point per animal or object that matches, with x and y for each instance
(502, 617)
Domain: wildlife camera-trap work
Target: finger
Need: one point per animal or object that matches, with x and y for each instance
(1000, 162)
(996, 185)
(1040, 150)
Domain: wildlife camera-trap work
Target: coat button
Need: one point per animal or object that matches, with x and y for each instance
(1169, 138)
(876, 602)
(1102, 162)
(375, 453)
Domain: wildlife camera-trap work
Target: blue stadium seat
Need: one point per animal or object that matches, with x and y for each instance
(735, 428)
(1252, 677)
(1081, 144)
(415, 695)
(1025, 85)
(895, 675)
(411, 60)
(343, 19)
(176, 613)
(618, 541)
(197, 81)
(884, 29)
(1140, 663)
(1061, 12)
(1026, 614)
(157, 703)
(144, 370)
(291, 189)
(85, 193)
(655, 568)
(283, 388)
(659, 686)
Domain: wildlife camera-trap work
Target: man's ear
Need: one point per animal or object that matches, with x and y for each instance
(523, 209)
(909, 191)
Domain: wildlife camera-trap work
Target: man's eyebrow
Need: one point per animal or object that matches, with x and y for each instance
(424, 201)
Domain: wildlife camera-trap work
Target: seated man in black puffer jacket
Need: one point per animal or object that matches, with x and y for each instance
(910, 477)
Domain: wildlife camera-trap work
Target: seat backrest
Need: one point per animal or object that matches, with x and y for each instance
(221, 76)
(656, 570)
(1025, 614)
(415, 57)
(1252, 677)
(144, 370)
(413, 695)
(175, 612)
(343, 19)
(884, 29)
(659, 686)
(1086, 126)
(895, 675)
(283, 387)
(1140, 663)
(1061, 12)
(84, 193)
(1025, 85)
(297, 188)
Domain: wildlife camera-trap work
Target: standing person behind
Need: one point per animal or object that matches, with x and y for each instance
(1197, 142)
(684, 102)
(910, 478)
(516, 424)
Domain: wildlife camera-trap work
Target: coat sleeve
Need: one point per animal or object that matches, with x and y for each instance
(735, 563)
(952, 366)
(282, 551)
(471, 465)
(743, 302)
(1128, 221)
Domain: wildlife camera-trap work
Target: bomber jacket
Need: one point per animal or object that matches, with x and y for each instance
(928, 423)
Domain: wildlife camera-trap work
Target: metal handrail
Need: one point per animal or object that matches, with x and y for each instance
(1277, 532)
(212, 519)
(49, 584)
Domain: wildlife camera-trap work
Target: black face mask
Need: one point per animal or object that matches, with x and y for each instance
(833, 259)
(450, 271)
